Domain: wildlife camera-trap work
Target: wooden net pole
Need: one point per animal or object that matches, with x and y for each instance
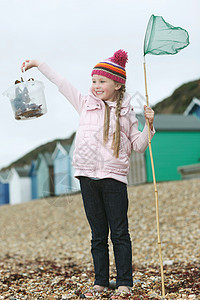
(155, 189)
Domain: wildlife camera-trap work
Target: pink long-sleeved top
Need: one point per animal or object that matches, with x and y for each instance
(93, 158)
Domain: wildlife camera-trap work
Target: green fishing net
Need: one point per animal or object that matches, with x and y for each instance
(163, 38)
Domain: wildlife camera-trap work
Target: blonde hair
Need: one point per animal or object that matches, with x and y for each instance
(116, 135)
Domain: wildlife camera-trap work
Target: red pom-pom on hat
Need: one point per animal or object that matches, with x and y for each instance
(120, 57)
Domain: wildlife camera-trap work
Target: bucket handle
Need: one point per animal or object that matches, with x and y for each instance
(24, 72)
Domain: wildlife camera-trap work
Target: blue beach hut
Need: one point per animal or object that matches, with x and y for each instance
(4, 188)
(33, 176)
(62, 169)
(193, 108)
(43, 171)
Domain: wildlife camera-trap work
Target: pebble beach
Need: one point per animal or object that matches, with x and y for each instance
(45, 245)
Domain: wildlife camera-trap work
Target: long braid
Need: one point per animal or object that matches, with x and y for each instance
(106, 123)
(116, 135)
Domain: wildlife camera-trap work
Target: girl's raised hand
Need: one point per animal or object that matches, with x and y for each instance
(149, 115)
(28, 64)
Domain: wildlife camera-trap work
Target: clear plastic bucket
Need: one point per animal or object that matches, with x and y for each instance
(27, 99)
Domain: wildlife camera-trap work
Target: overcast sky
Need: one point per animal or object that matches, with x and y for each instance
(72, 36)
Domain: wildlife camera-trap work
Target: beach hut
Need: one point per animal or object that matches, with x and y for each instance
(4, 188)
(62, 169)
(176, 143)
(137, 171)
(190, 171)
(43, 172)
(33, 176)
(193, 108)
(19, 185)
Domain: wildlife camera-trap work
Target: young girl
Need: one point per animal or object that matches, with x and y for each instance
(107, 133)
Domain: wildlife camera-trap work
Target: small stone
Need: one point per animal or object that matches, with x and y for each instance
(78, 292)
(112, 284)
(153, 295)
(168, 263)
(136, 281)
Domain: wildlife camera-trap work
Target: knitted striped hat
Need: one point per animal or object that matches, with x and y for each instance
(113, 67)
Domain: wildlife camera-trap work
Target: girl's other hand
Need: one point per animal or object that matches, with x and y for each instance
(28, 64)
(149, 115)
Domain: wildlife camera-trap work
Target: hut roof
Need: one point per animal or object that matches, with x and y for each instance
(173, 122)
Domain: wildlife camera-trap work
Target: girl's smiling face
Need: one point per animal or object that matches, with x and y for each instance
(104, 88)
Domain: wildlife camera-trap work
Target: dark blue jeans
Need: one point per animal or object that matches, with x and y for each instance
(106, 205)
